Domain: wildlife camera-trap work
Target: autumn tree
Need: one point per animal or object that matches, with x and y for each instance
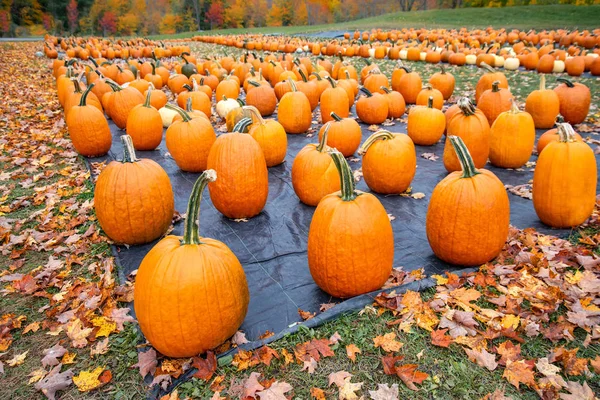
(4, 22)
(108, 23)
(72, 15)
(214, 15)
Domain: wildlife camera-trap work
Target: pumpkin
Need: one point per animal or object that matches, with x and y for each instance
(409, 86)
(177, 82)
(167, 115)
(271, 137)
(236, 115)
(133, 198)
(313, 172)
(564, 181)
(145, 126)
(444, 82)
(74, 98)
(154, 78)
(345, 134)
(350, 240)
(177, 284)
(372, 108)
(469, 214)
(189, 141)
(552, 136)
(396, 103)
(228, 87)
(426, 124)
(262, 97)
(487, 79)
(88, 129)
(158, 98)
(190, 110)
(472, 127)
(543, 105)
(121, 102)
(575, 99)
(243, 185)
(494, 101)
(200, 101)
(429, 92)
(511, 138)
(309, 88)
(294, 114)
(227, 104)
(389, 162)
(334, 100)
(187, 69)
(375, 81)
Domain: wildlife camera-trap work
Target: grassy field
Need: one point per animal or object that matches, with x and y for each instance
(525, 17)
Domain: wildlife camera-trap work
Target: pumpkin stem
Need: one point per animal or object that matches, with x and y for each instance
(382, 134)
(188, 87)
(186, 117)
(148, 95)
(366, 91)
(496, 86)
(319, 77)
(242, 125)
(153, 65)
(293, 85)
(514, 106)
(255, 114)
(335, 116)
(559, 119)
(128, 150)
(82, 101)
(347, 74)
(331, 81)
(113, 85)
(565, 132)
(188, 104)
(487, 67)
(302, 74)
(464, 157)
(241, 102)
(566, 82)
(253, 83)
(346, 177)
(443, 70)
(466, 106)
(191, 231)
(386, 89)
(543, 82)
(322, 146)
(430, 102)
(76, 84)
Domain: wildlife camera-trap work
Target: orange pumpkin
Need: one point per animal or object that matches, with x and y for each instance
(372, 108)
(575, 99)
(511, 138)
(294, 112)
(494, 101)
(543, 105)
(426, 124)
(271, 137)
(144, 125)
(345, 134)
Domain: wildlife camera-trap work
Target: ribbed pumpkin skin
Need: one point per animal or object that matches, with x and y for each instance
(474, 130)
(493, 103)
(314, 175)
(200, 101)
(468, 218)
(272, 139)
(145, 127)
(574, 102)
(344, 135)
(294, 112)
(334, 100)
(89, 131)
(243, 185)
(134, 201)
(511, 139)
(189, 299)
(121, 103)
(564, 184)
(190, 142)
(389, 166)
(543, 105)
(350, 245)
(425, 125)
(372, 110)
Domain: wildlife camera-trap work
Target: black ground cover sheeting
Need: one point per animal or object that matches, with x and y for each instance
(272, 246)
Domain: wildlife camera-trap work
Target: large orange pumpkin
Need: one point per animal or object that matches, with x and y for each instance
(543, 105)
(177, 284)
(271, 137)
(465, 205)
(511, 138)
(294, 113)
(145, 126)
(575, 99)
(426, 124)
(350, 240)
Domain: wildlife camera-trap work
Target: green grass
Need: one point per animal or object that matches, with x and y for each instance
(524, 17)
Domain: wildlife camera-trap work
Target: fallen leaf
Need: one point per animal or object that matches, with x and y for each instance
(239, 338)
(310, 366)
(68, 358)
(276, 391)
(251, 386)
(440, 339)
(409, 375)
(146, 362)
(306, 315)
(37, 375)
(55, 381)
(52, 354)
(88, 380)
(351, 351)
(316, 393)
(335, 338)
(388, 342)
(338, 378)
(347, 391)
(482, 358)
(578, 392)
(518, 372)
(384, 392)
(205, 367)
(32, 327)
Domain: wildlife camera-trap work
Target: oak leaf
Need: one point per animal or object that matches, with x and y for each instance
(384, 392)
(482, 358)
(55, 381)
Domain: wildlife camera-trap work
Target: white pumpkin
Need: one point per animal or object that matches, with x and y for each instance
(498, 61)
(225, 105)
(423, 55)
(403, 54)
(559, 66)
(371, 52)
(512, 63)
(167, 116)
(471, 59)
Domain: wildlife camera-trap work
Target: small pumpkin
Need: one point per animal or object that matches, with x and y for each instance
(189, 141)
(426, 124)
(512, 136)
(145, 125)
(243, 185)
(396, 103)
(389, 162)
(467, 204)
(177, 284)
(158, 98)
(350, 240)
(271, 137)
(564, 181)
(262, 97)
(345, 134)
(121, 102)
(444, 82)
(200, 101)
(294, 114)
(543, 105)
(494, 101)
(313, 172)
(227, 104)
(409, 85)
(372, 108)
(575, 99)
(485, 82)
(428, 92)
(552, 136)
(133, 198)
(334, 100)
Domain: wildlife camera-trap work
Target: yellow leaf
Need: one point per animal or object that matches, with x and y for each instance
(574, 278)
(68, 358)
(441, 280)
(387, 342)
(18, 359)
(37, 375)
(510, 321)
(88, 380)
(106, 326)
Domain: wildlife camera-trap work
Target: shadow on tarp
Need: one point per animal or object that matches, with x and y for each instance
(272, 246)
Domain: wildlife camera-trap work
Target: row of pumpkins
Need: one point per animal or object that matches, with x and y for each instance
(574, 56)
(134, 199)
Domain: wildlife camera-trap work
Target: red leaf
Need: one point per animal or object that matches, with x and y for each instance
(206, 367)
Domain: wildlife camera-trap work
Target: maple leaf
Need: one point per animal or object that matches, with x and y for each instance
(306, 315)
(518, 372)
(338, 378)
(287, 356)
(389, 364)
(482, 358)
(55, 381)
(497, 395)
(33, 327)
(595, 363)
(316, 393)
(384, 392)
(465, 295)
(146, 362)
(508, 352)
(18, 359)
(388, 342)
(205, 367)
(347, 391)
(276, 391)
(315, 349)
(239, 338)
(310, 366)
(163, 380)
(335, 338)
(77, 333)
(351, 351)
(440, 339)
(460, 323)
(100, 348)
(409, 375)
(251, 386)
(578, 392)
(571, 364)
(36, 375)
(119, 317)
(88, 380)
(52, 354)
(68, 358)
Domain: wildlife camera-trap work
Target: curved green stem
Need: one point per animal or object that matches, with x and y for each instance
(76, 84)
(379, 135)
(565, 81)
(113, 85)
(322, 146)
(242, 125)
(191, 231)
(82, 101)
(302, 75)
(464, 157)
(186, 117)
(188, 105)
(366, 91)
(335, 116)
(319, 77)
(331, 82)
(386, 89)
(293, 85)
(253, 83)
(128, 150)
(148, 96)
(346, 177)
(255, 114)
